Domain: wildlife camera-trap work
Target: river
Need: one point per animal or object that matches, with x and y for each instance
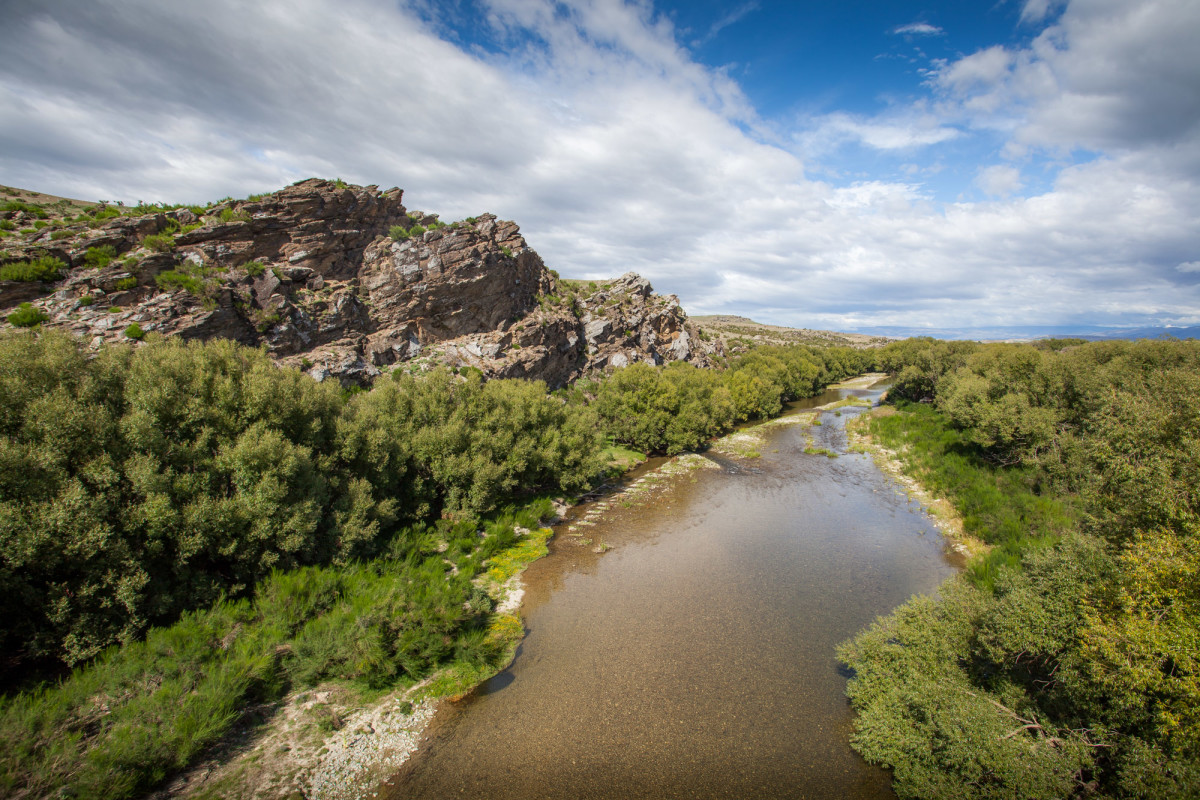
(695, 658)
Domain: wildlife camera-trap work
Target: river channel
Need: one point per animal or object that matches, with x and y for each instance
(694, 658)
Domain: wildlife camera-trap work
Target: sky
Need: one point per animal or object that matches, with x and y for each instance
(838, 165)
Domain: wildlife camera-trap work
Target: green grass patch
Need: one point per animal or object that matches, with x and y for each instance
(1002, 506)
(621, 458)
(508, 563)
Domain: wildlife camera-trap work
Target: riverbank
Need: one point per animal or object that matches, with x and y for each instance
(336, 741)
(893, 464)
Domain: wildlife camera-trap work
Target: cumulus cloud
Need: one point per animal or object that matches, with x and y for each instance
(591, 125)
(1107, 75)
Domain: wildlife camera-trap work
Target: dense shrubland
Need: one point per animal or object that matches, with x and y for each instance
(1066, 663)
(137, 485)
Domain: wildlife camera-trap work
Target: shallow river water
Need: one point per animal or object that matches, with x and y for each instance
(695, 658)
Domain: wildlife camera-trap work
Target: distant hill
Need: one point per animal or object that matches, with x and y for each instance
(1024, 333)
(735, 331)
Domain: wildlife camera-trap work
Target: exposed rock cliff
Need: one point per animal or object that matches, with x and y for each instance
(311, 273)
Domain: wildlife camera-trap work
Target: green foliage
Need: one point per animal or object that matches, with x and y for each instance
(1006, 508)
(254, 268)
(60, 234)
(86, 300)
(171, 279)
(27, 316)
(99, 257)
(134, 331)
(159, 242)
(1084, 645)
(679, 407)
(125, 284)
(398, 233)
(233, 215)
(142, 711)
(137, 486)
(45, 268)
(100, 213)
(416, 230)
(7, 225)
(18, 206)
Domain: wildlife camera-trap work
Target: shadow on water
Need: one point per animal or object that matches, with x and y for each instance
(695, 658)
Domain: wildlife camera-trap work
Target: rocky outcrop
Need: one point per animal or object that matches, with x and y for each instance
(346, 283)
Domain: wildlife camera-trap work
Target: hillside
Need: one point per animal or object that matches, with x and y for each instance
(740, 332)
(340, 280)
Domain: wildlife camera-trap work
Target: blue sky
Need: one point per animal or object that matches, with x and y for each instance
(833, 164)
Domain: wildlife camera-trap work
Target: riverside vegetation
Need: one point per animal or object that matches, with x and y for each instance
(1065, 662)
(187, 529)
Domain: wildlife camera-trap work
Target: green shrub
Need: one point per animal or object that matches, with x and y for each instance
(254, 268)
(126, 283)
(86, 300)
(7, 225)
(416, 230)
(230, 215)
(134, 331)
(115, 309)
(172, 279)
(159, 242)
(39, 224)
(99, 257)
(45, 268)
(398, 233)
(58, 235)
(13, 206)
(27, 316)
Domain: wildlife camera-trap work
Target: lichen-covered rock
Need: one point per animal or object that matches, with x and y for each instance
(311, 273)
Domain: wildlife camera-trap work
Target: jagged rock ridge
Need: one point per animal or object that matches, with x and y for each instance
(311, 273)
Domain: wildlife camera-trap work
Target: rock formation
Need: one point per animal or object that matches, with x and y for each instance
(344, 282)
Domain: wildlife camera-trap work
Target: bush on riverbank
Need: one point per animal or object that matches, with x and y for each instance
(679, 407)
(1067, 669)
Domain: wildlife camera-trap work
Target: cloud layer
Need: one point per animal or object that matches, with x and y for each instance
(591, 125)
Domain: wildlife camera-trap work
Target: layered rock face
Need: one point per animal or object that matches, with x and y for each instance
(311, 273)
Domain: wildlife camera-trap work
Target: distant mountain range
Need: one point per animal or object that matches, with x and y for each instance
(1028, 332)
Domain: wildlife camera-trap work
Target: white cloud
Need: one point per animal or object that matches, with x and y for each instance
(1109, 74)
(999, 180)
(594, 128)
(918, 29)
(1189, 266)
(899, 131)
